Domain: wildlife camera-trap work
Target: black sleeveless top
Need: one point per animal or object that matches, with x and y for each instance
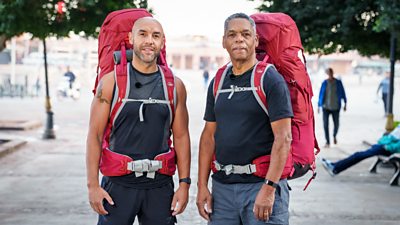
(142, 139)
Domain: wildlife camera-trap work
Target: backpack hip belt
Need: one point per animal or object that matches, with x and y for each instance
(258, 167)
(234, 169)
(115, 164)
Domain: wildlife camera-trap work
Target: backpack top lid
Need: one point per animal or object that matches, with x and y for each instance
(114, 33)
(276, 32)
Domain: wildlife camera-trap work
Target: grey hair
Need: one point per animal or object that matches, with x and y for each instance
(239, 16)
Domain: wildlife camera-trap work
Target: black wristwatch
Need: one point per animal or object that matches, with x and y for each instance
(186, 180)
(270, 183)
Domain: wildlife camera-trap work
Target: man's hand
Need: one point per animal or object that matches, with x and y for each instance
(345, 107)
(96, 196)
(264, 203)
(204, 202)
(180, 199)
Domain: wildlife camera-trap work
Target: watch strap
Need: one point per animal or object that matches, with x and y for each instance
(186, 180)
(270, 183)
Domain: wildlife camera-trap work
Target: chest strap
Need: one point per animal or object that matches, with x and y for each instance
(235, 169)
(234, 89)
(145, 101)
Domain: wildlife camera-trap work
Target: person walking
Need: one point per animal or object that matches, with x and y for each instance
(330, 99)
(71, 77)
(206, 76)
(384, 88)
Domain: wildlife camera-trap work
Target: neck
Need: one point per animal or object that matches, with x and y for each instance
(240, 67)
(144, 67)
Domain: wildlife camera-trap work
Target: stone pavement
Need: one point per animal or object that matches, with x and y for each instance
(44, 181)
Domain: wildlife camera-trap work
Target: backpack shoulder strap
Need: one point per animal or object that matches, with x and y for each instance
(169, 89)
(257, 81)
(219, 79)
(120, 92)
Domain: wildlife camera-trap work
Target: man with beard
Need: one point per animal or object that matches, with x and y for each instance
(237, 131)
(141, 130)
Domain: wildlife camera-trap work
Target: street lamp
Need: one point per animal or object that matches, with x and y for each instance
(49, 131)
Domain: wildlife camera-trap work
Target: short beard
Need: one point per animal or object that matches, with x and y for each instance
(143, 58)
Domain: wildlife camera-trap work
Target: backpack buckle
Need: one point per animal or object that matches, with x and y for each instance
(228, 169)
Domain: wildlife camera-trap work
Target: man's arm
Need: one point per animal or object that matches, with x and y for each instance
(206, 152)
(99, 113)
(321, 96)
(181, 138)
(280, 150)
(344, 95)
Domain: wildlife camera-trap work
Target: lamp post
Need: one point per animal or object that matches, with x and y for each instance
(49, 131)
(390, 121)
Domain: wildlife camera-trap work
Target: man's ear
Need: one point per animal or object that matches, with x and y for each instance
(223, 42)
(130, 36)
(163, 43)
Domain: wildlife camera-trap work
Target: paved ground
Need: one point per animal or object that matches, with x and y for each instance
(44, 181)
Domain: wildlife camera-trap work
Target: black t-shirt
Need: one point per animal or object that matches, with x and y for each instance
(142, 139)
(244, 130)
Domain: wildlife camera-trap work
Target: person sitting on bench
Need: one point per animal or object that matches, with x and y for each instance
(387, 145)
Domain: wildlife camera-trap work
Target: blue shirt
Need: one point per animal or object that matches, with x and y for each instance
(341, 94)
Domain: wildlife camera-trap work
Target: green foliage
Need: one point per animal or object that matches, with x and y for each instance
(41, 18)
(328, 26)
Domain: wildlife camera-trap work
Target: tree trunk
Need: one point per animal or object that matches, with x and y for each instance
(3, 40)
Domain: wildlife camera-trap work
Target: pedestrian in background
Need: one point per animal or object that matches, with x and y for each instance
(330, 99)
(384, 88)
(206, 76)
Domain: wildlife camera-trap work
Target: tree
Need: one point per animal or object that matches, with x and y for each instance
(369, 26)
(338, 26)
(44, 18)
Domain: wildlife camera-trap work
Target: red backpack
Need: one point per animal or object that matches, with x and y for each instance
(114, 54)
(280, 46)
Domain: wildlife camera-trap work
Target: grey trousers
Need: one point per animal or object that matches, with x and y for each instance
(233, 204)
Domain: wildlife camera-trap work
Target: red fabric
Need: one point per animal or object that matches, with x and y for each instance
(279, 38)
(280, 44)
(279, 41)
(121, 81)
(217, 79)
(113, 37)
(60, 5)
(113, 32)
(262, 166)
(168, 162)
(114, 164)
(213, 168)
(170, 82)
(257, 82)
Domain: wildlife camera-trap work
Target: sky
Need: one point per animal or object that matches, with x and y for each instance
(198, 17)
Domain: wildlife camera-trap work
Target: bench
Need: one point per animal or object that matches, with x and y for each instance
(394, 160)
